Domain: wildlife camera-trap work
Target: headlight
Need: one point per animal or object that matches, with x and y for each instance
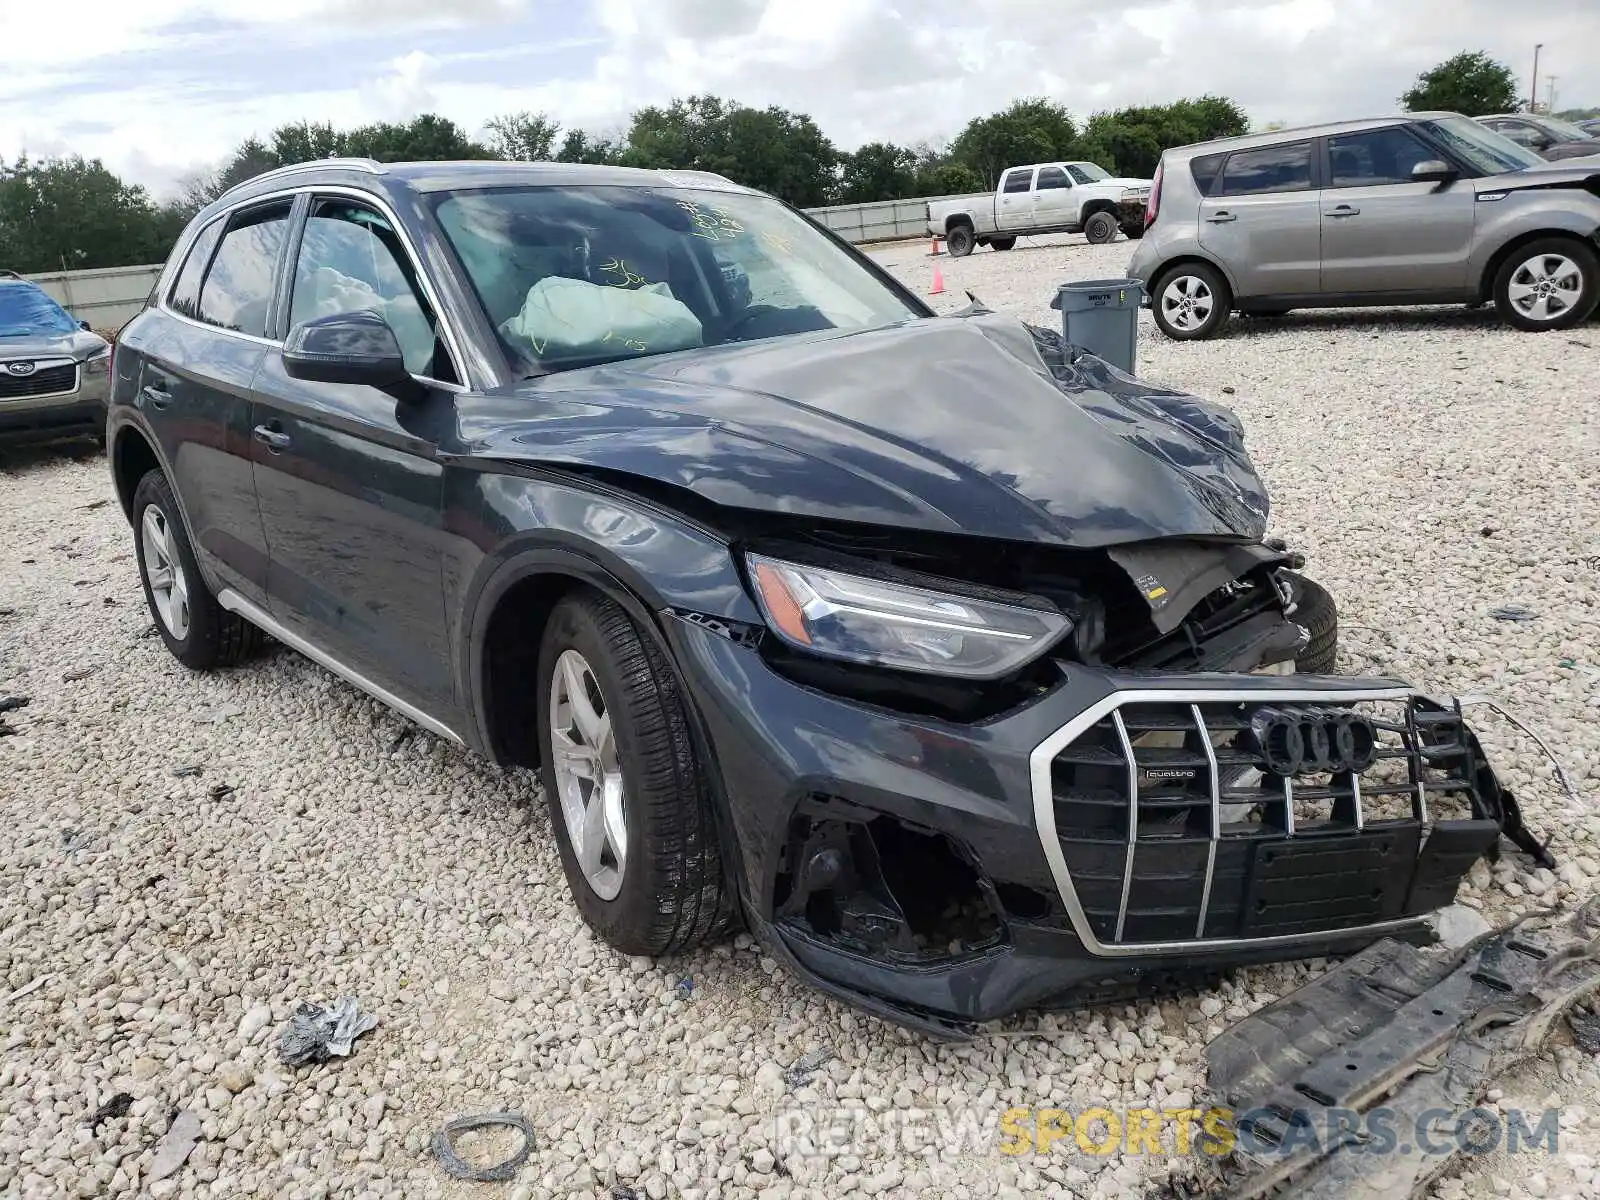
(864, 620)
(98, 363)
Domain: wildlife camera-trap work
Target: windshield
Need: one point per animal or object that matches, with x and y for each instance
(1088, 173)
(1565, 130)
(573, 276)
(26, 309)
(1488, 152)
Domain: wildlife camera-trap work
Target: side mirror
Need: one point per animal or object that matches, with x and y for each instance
(1433, 170)
(85, 326)
(356, 347)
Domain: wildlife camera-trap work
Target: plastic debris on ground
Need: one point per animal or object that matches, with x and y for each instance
(803, 1067)
(12, 703)
(113, 1108)
(175, 1147)
(445, 1151)
(1513, 612)
(317, 1032)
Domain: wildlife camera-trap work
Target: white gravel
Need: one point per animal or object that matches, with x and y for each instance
(1430, 463)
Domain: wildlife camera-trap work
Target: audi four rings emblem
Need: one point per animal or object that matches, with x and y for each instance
(1313, 741)
(21, 368)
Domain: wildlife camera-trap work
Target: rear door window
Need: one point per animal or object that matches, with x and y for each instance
(1018, 180)
(237, 293)
(185, 294)
(1270, 169)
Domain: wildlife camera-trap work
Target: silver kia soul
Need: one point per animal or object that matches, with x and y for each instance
(1425, 208)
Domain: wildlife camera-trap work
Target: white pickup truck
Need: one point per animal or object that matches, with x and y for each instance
(1062, 197)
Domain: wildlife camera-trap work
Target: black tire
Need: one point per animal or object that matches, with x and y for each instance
(1133, 232)
(959, 241)
(673, 893)
(1316, 611)
(1004, 243)
(1204, 282)
(1537, 265)
(1100, 228)
(212, 636)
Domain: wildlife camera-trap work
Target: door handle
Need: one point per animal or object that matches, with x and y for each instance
(1221, 218)
(1342, 210)
(155, 397)
(274, 439)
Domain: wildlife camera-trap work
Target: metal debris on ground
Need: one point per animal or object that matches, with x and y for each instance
(445, 1151)
(800, 1071)
(12, 703)
(1513, 612)
(319, 1032)
(173, 1149)
(113, 1108)
(94, 504)
(221, 790)
(188, 771)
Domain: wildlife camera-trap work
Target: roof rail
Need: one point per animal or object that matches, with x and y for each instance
(5, 273)
(370, 165)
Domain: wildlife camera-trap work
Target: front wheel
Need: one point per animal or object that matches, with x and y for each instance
(1316, 611)
(959, 241)
(1553, 283)
(199, 632)
(1004, 243)
(628, 798)
(1190, 302)
(1100, 228)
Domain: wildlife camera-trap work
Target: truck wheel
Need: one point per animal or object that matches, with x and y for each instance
(1100, 228)
(1190, 301)
(959, 241)
(1552, 283)
(1133, 232)
(1004, 243)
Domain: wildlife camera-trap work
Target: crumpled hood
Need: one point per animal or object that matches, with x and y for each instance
(973, 424)
(1576, 171)
(79, 344)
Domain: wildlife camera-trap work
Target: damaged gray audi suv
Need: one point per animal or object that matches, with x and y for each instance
(950, 660)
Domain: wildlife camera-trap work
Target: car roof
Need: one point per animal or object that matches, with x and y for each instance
(1296, 133)
(464, 175)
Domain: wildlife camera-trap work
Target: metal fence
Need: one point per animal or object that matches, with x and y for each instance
(109, 297)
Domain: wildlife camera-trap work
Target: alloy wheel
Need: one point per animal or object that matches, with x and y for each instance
(588, 774)
(1545, 287)
(1187, 302)
(163, 570)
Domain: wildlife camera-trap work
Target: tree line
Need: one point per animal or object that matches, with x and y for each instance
(73, 213)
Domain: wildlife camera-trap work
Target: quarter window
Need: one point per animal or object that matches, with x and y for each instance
(1052, 177)
(1377, 156)
(1018, 181)
(237, 293)
(1205, 170)
(1271, 169)
(351, 260)
(185, 294)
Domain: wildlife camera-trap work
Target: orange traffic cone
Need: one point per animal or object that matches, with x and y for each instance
(937, 249)
(938, 281)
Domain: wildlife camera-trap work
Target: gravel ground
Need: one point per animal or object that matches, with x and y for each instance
(158, 927)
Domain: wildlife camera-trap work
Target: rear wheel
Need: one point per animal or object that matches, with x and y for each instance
(1100, 228)
(1190, 302)
(1316, 611)
(199, 632)
(628, 798)
(959, 241)
(1552, 283)
(1004, 243)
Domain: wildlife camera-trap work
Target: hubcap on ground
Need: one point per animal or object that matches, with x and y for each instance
(1546, 287)
(164, 571)
(588, 775)
(1187, 302)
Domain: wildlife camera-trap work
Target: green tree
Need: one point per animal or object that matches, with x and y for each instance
(523, 137)
(877, 171)
(772, 149)
(1471, 83)
(580, 147)
(1028, 131)
(1130, 141)
(427, 138)
(73, 214)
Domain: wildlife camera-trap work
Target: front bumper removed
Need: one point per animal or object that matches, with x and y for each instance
(1117, 831)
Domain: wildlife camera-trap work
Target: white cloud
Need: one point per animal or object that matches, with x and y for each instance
(906, 70)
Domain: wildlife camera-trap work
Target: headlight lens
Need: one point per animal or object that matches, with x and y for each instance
(831, 613)
(98, 363)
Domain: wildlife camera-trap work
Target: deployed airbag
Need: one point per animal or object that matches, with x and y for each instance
(564, 318)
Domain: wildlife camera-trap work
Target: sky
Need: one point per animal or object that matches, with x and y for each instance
(162, 89)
